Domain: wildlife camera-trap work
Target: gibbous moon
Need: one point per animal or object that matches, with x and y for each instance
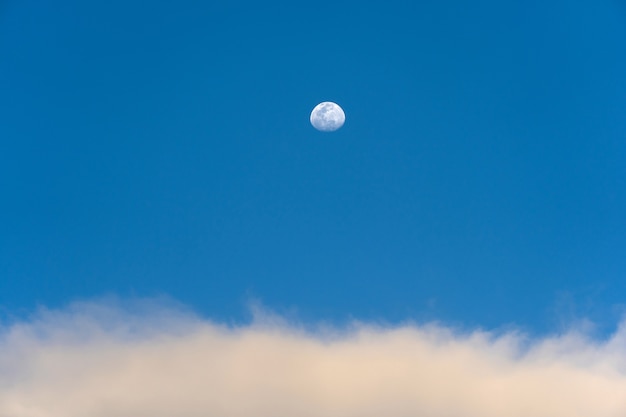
(327, 117)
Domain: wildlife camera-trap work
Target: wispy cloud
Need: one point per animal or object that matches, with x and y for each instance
(151, 360)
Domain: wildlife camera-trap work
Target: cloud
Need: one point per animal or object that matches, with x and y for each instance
(153, 360)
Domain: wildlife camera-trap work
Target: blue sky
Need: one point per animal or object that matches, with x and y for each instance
(165, 149)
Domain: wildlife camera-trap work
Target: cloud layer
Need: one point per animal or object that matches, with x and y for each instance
(99, 360)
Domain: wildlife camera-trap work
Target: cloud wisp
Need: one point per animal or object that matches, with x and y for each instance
(99, 360)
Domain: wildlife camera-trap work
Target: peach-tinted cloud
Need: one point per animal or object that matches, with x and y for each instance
(97, 360)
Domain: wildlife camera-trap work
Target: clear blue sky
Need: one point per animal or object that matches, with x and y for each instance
(164, 148)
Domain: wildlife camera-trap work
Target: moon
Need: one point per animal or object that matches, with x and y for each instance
(327, 117)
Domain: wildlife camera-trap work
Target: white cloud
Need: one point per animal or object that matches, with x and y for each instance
(99, 360)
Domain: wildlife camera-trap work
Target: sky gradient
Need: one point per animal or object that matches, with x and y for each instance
(166, 150)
